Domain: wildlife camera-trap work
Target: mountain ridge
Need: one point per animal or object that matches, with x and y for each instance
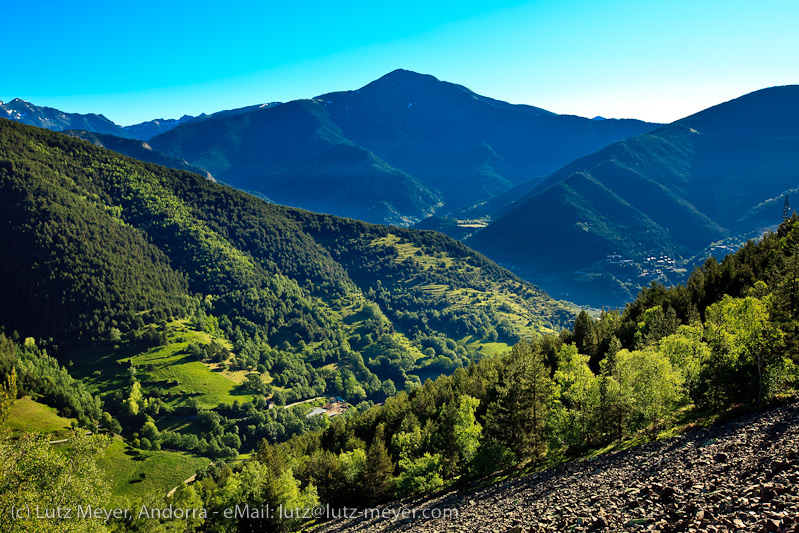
(54, 119)
(20, 110)
(104, 242)
(698, 180)
(136, 149)
(453, 142)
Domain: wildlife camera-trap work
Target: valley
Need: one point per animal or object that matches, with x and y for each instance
(550, 196)
(403, 291)
(183, 320)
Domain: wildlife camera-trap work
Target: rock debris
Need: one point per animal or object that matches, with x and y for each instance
(739, 476)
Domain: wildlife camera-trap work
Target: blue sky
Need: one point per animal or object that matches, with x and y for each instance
(652, 60)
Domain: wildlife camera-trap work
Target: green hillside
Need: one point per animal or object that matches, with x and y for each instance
(28, 415)
(675, 360)
(170, 295)
(135, 474)
(655, 201)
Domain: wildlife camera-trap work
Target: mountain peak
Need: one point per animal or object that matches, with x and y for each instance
(402, 78)
(407, 74)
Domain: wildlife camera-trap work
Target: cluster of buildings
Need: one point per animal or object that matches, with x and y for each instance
(334, 406)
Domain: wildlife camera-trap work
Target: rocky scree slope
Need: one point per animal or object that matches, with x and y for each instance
(739, 476)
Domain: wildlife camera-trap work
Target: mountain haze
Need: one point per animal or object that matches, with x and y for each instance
(149, 129)
(136, 149)
(310, 163)
(24, 112)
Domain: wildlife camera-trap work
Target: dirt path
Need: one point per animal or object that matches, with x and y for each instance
(302, 402)
(185, 482)
(61, 441)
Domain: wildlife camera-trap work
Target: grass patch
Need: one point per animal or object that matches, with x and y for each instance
(163, 470)
(488, 349)
(28, 415)
(409, 252)
(104, 369)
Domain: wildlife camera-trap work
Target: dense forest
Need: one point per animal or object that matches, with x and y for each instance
(725, 338)
(184, 316)
(151, 303)
(104, 246)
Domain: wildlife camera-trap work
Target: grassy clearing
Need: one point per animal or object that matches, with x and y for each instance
(196, 380)
(163, 470)
(236, 376)
(28, 415)
(488, 349)
(407, 251)
(169, 367)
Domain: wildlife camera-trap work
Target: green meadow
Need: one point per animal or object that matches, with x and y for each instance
(134, 473)
(28, 415)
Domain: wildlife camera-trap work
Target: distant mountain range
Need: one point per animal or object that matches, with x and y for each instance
(147, 130)
(637, 210)
(49, 118)
(589, 209)
(54, 119)
(401, 148)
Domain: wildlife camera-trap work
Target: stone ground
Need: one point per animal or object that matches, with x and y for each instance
(739, 476)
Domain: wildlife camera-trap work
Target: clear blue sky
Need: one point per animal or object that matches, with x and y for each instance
(654, 60)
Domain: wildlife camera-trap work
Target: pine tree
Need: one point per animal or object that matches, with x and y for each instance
(518, 417)
(379, 473)
(585, 334)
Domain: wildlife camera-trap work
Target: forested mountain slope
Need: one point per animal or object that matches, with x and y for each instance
(136, 149)
(101, 242)
(670, 193)
(397, 150)
(675, 359)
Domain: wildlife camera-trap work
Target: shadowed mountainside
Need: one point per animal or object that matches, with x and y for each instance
(715, 175)
(409, 144)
